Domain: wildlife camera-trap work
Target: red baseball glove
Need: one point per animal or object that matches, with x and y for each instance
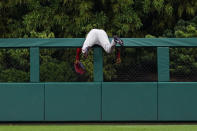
(79, 67)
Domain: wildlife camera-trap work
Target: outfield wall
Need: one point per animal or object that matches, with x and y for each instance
(98, 100)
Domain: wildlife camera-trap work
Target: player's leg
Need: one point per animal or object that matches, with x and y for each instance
(90, 38)
(104, 41)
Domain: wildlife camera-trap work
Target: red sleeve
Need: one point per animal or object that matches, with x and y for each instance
(78, 53)
(118, 54)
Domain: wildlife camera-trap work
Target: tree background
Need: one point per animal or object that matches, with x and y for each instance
(75, 18)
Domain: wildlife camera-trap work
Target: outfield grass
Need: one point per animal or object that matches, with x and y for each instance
(98, 127)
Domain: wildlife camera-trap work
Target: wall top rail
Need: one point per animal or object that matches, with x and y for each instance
(77, 42)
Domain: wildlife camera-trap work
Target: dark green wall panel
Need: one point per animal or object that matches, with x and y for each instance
(177, 101)
(129, 101)
(72, 101)
(21, 102)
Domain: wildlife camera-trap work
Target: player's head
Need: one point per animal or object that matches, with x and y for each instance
(118, 40)
(85, 51)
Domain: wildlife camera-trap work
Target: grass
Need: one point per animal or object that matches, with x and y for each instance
(52, 127)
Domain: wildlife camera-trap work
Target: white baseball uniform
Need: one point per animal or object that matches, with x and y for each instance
(98, 37)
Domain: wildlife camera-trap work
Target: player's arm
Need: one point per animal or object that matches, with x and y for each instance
(118, 58)
(77, 58)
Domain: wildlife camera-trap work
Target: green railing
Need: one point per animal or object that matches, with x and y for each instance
(99, 101)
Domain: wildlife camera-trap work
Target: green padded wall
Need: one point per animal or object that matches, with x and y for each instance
(21, 102)
(129, 101)
(98, 100)
(73, 101)
(177, 101)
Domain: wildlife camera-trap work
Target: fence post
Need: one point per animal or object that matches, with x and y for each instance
(163, 64)
(34, 64)
(98, 64)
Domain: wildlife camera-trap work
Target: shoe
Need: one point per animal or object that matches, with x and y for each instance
(118, 40)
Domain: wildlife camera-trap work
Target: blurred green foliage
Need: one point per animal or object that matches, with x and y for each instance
(183, 61)
(58, 65)
(137, 64)
(75, 18)
(14, 65)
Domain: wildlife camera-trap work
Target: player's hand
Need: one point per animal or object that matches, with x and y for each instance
(77, 61)
(118, 61)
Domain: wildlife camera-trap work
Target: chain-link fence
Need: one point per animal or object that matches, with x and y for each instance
(183, 64)
(137, 64)
(14, 65)
(57, 65)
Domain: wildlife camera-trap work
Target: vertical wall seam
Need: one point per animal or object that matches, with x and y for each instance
(157, 101)
(44, 103)
(101, 101)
